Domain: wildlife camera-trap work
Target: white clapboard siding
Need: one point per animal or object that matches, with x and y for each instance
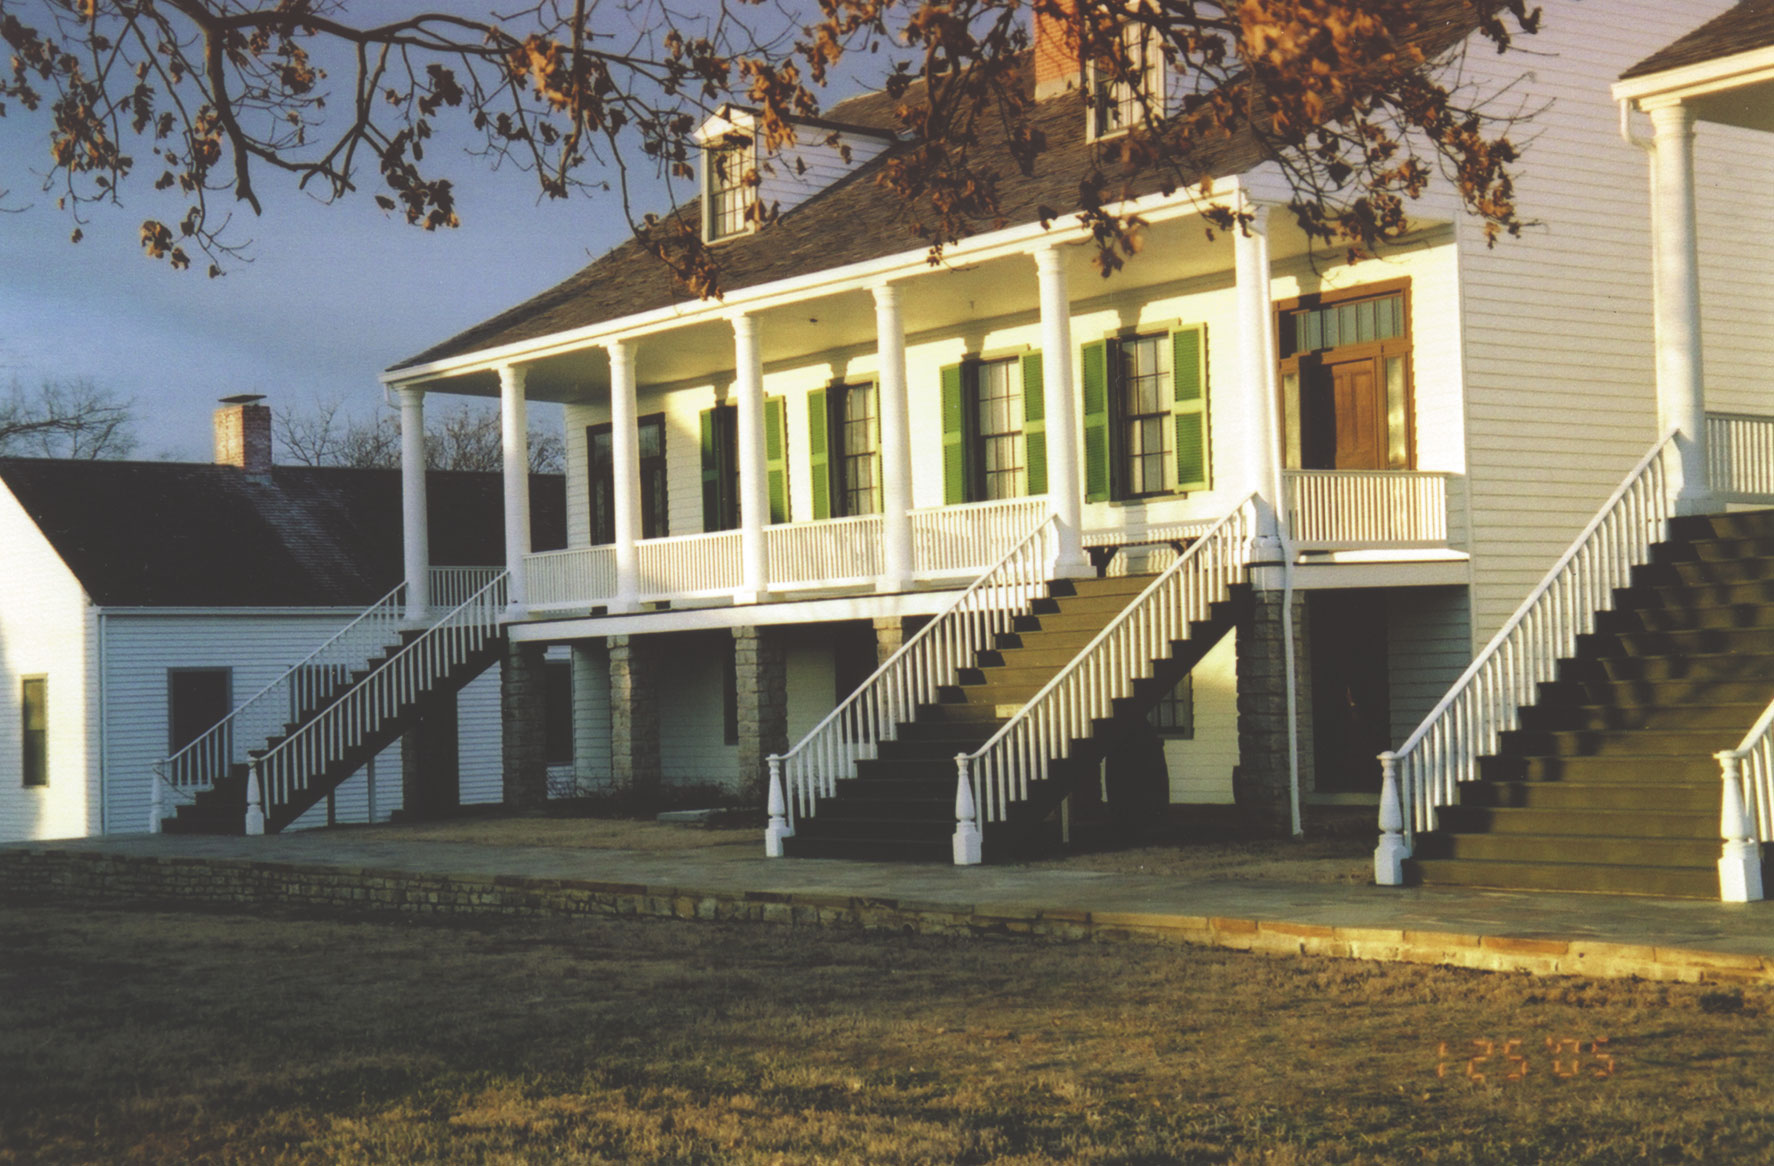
(1429, 644)
(796, 173)
(575, 420)
(812, 679)
(591, 716)
(480, 750)
(1201, 768)
(45, 630)
(1559, 373)
(692, 744)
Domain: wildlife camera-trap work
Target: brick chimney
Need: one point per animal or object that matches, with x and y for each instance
(1056, 53)
(243, 433)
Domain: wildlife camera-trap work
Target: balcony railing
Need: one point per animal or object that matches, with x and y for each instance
(964, 540)
(1740, 456)
(839, 552)
(1336, 510)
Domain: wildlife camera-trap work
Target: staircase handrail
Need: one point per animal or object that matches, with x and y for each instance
(353, 715)
(909, 677)
(1425, 773)
(999, 771)
(208, 755)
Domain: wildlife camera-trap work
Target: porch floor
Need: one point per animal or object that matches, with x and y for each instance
(1540, 932)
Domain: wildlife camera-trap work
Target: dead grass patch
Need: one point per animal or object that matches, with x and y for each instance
(213, 1038)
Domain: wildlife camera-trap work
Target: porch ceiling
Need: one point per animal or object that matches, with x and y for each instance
(841, 324)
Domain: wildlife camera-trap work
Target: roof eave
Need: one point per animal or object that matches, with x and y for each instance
(1719, 75)
(1154, 207)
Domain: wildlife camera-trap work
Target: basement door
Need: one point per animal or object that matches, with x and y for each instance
(1351, 692)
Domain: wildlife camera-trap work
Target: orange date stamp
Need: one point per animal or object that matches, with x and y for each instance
(1515, 1059)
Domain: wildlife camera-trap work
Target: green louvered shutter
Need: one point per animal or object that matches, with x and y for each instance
(954, 437)
(1035, 423)
(711, 474)
(819, 468)
(1189, 376)
(1096, 421)
(776, 456)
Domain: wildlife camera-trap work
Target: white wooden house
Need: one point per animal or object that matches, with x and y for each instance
(1371, 465)
(142, 602)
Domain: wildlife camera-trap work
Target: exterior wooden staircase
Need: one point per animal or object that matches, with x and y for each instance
(1610, 783)
(901, 804)
(330, 713)
(221, 808)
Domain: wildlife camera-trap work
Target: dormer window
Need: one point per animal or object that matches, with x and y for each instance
(1117, 106)
(731, 178)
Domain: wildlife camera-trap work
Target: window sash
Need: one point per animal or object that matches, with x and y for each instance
(1144, 397)
(859, 445)
(655, 517)
(729, 195)
(1001, 458)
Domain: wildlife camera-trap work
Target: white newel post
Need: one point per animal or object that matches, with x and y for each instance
(754, 486)
(1681, 391)
(778, 829)
(969, 844)
(896, 446)
(415, 532)
(157, 810)
(1260, 444)
(1065, 483)
(625, 472)
(514, 428)
(1390, 854)
(255, 808)
(1740, 862)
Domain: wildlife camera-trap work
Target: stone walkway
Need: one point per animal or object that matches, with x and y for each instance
(1545, 933)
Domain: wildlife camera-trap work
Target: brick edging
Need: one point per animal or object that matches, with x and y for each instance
(36, 874)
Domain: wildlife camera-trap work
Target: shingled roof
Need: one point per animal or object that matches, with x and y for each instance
(858, 218)
(172, 534)
(1748, 26)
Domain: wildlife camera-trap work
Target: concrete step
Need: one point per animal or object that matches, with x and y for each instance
(1696, 767)
(1655, 694)
(1698, 666)
(1673, 616)
(1737, 524)
(1738, 715)
(1721, 571)
(1701, 642)
(1621, 742)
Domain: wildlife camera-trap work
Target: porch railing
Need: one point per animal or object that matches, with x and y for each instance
(962, 540)
(1740, 457)
(354, 717)
(1351, 509)
(909, 678)
(998, 774)
(689, 565)
(576, 577)
(834, 552)
(304, 687)
(1425, 773)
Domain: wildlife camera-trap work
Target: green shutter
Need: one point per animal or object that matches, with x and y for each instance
(819, 468)
(1189, 377)
(776, 456)
(1096, 421)
(954, 437)
(711, 474)
(1035, 423)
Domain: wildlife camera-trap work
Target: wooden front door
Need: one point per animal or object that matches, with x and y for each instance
(1358, 414)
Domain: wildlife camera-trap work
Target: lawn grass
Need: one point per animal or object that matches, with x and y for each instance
(187, 1037)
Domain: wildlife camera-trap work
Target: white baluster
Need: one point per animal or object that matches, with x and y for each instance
(1740, 863)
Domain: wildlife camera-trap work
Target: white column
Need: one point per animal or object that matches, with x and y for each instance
(1260, 445)
(1681, 392)
(415, 532)
(514, 429)
(1065, 483)
(754, 488)
(625, 467)
(896, 442)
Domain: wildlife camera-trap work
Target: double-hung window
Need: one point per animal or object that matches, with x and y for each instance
(844, 449)
(1121, 99)
(650, 432)
(732, 186)
(34, 726)
(1145, 415)
(994, 429)
(720, 464)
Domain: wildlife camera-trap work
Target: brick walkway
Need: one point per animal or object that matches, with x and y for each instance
(366, 869)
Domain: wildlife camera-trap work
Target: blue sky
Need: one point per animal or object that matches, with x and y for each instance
(333, 294)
